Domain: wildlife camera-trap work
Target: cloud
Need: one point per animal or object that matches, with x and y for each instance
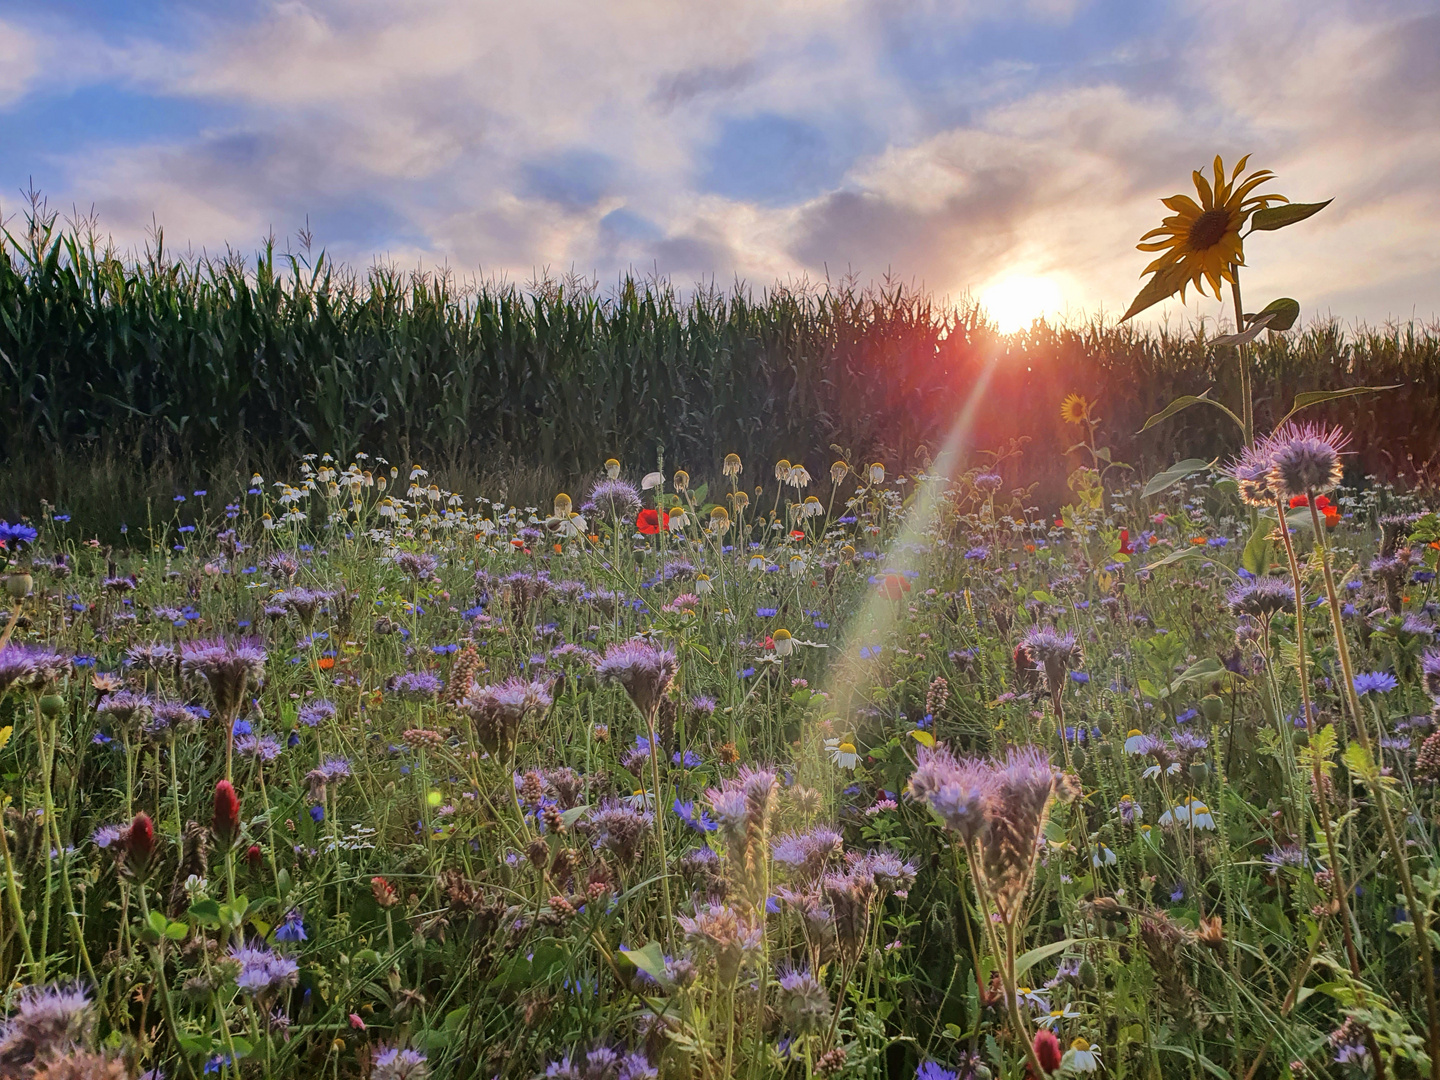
(949, 144)
(19, 62)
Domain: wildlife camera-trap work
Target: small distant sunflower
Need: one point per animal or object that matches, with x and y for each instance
(1074, 409)
(1201, 241)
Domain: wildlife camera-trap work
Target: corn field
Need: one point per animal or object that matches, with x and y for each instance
(222, 360)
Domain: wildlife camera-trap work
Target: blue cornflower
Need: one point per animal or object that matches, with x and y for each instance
(292, 928)
(1374, 682)
(700, 822)
(317, 813)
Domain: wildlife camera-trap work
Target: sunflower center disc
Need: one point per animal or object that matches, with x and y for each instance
(1209, 227)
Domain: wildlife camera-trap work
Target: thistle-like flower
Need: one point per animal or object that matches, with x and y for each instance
(1024, 787)
(395, 1063)
(48, 1021)
(31, 667)
(498, 710)
(1305, 458)
(1262, 598)
(619, 830)
(807, 853)
(644, 670)
(227, 666)
(958, 791)
(1052, 652)
(125, 708)
(804, 1002)
(615, 499)
(721, 931)
(1251, 471)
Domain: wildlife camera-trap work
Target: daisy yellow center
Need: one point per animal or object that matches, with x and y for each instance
(1080, 1044)
(1208, 229)
(845, 748)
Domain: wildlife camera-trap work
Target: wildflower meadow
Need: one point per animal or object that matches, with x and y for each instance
(796, 768)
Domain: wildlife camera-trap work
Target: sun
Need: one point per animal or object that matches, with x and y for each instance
(1016, 302)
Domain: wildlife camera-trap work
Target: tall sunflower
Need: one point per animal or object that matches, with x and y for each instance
(1200, 242)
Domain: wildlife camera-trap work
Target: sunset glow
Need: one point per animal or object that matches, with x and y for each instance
(1016, 302)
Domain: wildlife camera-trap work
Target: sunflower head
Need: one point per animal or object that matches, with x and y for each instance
(1200, 242)
(1074, 409)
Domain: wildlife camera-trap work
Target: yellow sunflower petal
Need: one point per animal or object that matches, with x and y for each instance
(1181, 204)
(1207, 198)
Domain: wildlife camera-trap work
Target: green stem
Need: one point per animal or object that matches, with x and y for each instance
(1418, 912)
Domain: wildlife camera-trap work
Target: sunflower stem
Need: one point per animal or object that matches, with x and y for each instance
(1247, 405)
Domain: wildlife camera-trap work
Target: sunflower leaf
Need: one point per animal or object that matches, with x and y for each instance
(1277, 217)
(1249, 334)
(1173, 475)
(1184, 402)
(1317, 397)
(1160, 287)
(1283, 314)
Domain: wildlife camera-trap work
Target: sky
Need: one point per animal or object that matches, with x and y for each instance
(1011, 151)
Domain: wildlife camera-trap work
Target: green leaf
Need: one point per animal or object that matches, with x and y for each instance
(206, 912)
(1359, 762)
(1160, 287)
(1283, 314)
(1317, 397)
(1256, 556)
(1025, 962)
(1426, 530)
(1201, 669)
(698, 494)
(1249, 334)
(1205, 1063)
(1174, 557)
(1174, 474)
(1180, 404)
(195, 1045)
(1277, 217)
(158, 922)
(243, 1047)
(650, 959)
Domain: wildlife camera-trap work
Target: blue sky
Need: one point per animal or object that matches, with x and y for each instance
(1014, 151)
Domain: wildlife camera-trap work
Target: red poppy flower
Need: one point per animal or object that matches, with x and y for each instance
(894, 586)
(797, 534)
(1125, 547)
(650, 522)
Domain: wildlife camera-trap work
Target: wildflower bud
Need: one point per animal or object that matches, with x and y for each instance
(562, 906)
(252, 856)
(139, 844)
(52, 705)
(538, 853)
(1088, 978)
(384, 892)
(1199, 772)
(17, 585)
(1077, 755)
(554, 820)
(225, 824)
(831, 1062)
(596, 890)
(1047, 1050)
(1211, 706)
(1106, 725)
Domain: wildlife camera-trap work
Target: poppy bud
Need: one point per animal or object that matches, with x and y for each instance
(139, 843)
(226, 823)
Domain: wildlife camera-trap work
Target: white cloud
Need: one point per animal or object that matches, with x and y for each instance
(19, 62)
(421, 127)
